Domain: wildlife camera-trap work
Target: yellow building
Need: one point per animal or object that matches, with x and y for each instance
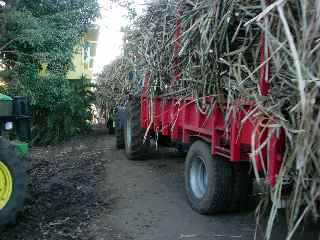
(85, 55)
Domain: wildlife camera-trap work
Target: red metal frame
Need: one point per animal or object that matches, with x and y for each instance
(236, 137)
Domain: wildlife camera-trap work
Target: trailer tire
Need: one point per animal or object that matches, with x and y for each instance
(119, 138)
(242, 187)
(110, 126)
(208, 180)
(13, 169)
(119, 129)
(133, 133)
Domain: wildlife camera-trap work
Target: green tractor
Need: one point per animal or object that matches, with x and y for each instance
(14, 133)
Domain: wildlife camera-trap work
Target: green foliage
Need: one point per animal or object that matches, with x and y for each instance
(45, 31)
(33, 33)
(60, 108)
(61, 113)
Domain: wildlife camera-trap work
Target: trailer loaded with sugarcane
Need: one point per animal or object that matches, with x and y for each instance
(235, 83)
(15, 133)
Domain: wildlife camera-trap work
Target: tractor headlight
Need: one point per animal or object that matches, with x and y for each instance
(8, 126)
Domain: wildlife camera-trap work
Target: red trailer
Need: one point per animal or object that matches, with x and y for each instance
(223, 140)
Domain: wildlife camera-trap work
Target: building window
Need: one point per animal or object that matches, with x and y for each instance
(89, 53)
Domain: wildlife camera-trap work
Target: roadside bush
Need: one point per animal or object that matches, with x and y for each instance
(60, 107)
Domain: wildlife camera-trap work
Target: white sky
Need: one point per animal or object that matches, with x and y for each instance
(110, 37)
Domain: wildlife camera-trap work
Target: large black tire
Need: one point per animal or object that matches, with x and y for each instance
(119, 138)
(208, 180)
(133, 133)
(119, 129)
(110, 126)
(16, 166)
(242, 187)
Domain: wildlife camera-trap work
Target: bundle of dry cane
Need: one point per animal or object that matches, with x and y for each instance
(219, 55)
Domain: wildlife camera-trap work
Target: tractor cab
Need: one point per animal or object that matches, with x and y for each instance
(15, 121)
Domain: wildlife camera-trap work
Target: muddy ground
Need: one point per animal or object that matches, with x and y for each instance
(86, 189)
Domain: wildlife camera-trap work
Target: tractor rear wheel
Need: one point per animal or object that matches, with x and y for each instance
(12, 182)
(133, 133)
(119, 128)
(110, 126)
(119, 138)
(208, 180)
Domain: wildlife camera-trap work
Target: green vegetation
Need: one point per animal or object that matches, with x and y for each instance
(34, 34)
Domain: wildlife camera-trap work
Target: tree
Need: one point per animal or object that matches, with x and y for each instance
(34, 33)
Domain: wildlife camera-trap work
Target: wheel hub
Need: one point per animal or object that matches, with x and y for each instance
(198, 178)
(6, 185)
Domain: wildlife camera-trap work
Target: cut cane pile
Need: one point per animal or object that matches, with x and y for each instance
(219, 56)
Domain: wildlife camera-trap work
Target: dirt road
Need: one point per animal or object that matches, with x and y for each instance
(86, 189)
